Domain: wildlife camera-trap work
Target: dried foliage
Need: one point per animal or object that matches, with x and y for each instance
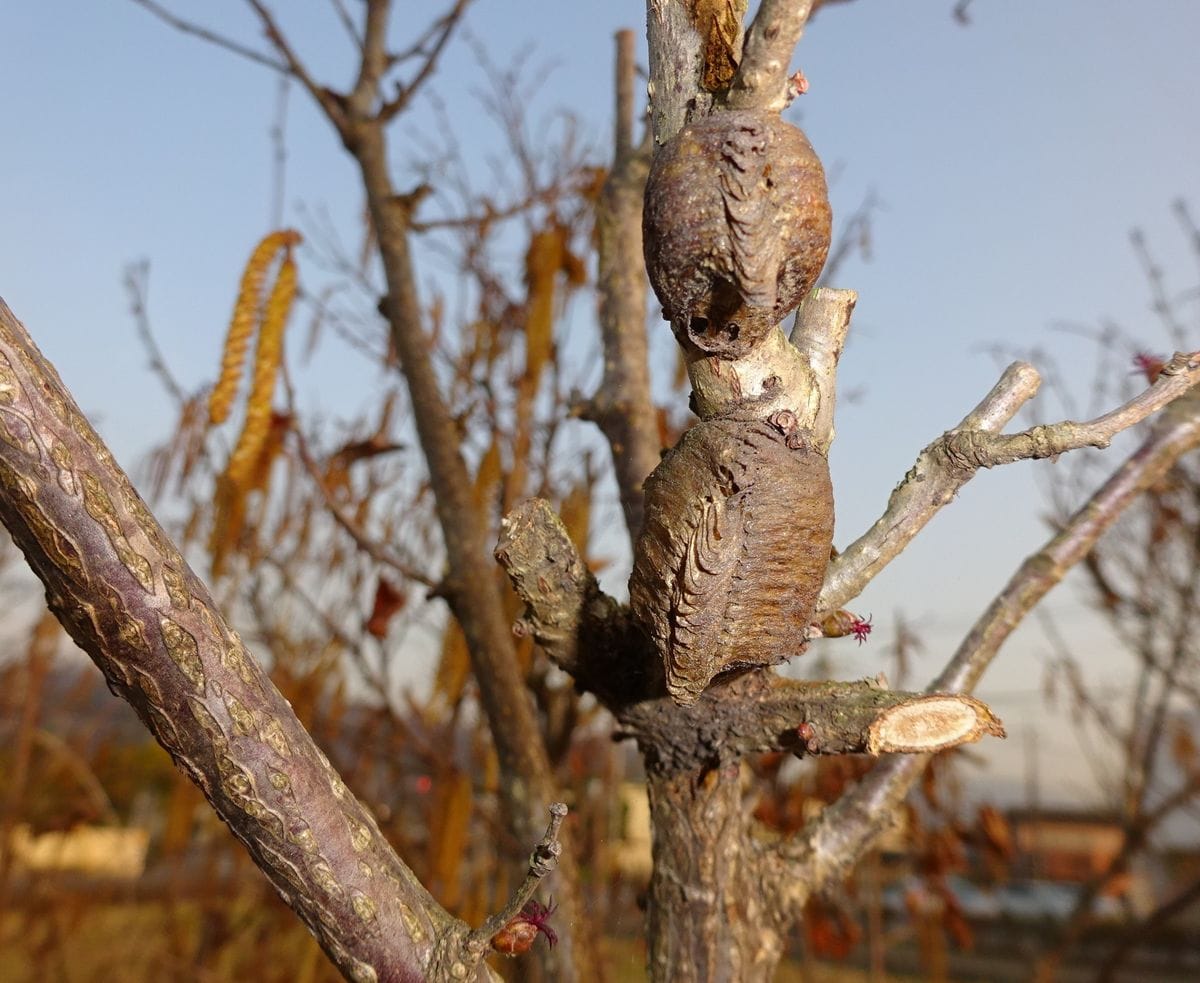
(248, 311)
(261, 438)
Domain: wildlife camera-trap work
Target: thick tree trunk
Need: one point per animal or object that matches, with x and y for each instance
(709, 916)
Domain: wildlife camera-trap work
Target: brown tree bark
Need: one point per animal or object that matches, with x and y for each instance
(127, 597)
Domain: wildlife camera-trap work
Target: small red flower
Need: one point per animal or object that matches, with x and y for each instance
(1149, 365)
(839, 624)
(861, 629)
(519, 934)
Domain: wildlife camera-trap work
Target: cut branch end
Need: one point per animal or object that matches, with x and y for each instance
(932, 723)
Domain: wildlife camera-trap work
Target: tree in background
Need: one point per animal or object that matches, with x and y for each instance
(734, 545)
(1143, 579)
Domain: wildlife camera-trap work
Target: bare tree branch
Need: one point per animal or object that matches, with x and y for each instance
(542, 863)
(693, 50)
(441, 30)
(828, 847)
(623, 407)
(761, 78)
(327, 99)
(374, 61)
(986, 450)
(953, 459)
(929, 485)
(1175, 434)
(588, 634)
(196, 30)
(137, 285)
(128, 598)
(819, 335)
(367, 544)
(347, 22)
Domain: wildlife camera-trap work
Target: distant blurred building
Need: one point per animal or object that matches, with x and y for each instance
(1074, 846)
(98, 851)
(1064, 845)
(631, 852)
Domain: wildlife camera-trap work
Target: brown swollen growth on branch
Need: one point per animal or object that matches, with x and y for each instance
(736, 228)
(739, 521)
(739, 516)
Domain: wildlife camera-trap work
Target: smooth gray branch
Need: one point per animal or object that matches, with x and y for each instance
(953, 459)
(928, 486)
(829, 846)
(1173, 435)
(761, 78)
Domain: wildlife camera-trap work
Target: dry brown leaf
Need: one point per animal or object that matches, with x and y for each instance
(389, 601)
(543, 261)
(488, 476)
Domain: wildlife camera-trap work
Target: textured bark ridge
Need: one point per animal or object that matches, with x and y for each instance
(739, 521)
(736, 228)
(127, 597)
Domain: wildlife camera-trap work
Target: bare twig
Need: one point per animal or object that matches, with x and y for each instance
(953, 459)
(327, 99)
(490, 212)
(854, 234)
(622, 406)
(196, 30)
(761, 78)
(366, 543)
(828, 847)
(440, 31)
(1160, 301)
(929, 485)
(542, 863)
(981, 449)
(819, 334)
(347, 22)
(137, 280)
(1174, 435)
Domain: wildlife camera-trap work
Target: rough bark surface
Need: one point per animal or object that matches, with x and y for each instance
(709, 917)
(731, 558)
(736, 228)
(528, 787)
(128, 599)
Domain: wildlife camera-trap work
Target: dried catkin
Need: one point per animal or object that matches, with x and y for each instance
(266, 367)
(246, 311)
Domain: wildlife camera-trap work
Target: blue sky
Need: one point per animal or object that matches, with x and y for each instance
(1012, 157)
